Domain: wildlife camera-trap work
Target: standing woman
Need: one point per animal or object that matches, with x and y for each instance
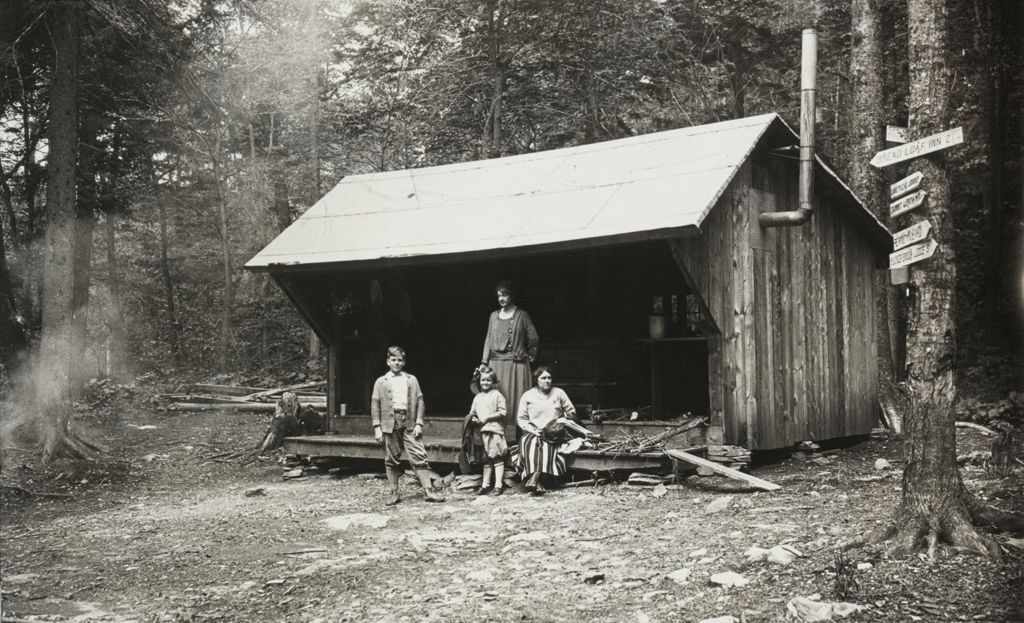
(538, 459)
(510, 347)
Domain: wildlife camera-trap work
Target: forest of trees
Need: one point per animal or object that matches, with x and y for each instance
(150, 147)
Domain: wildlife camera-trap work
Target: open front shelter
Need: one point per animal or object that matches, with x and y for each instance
(769, 332)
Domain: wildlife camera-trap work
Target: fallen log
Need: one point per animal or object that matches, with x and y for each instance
(280, 390)
(228, 390)
(679, 455)
(979, 427)
(241, 406)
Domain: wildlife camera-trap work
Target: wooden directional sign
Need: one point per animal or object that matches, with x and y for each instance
(912, 255)
(915, 233)
(906, 204)
(895, 134)
(920, 147)
(905, 185)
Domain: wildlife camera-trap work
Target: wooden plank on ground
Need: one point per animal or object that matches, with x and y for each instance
(686, 457)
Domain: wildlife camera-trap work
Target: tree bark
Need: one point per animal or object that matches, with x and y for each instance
(117, 362)
(226, 298)
(935, 507)
(85, 222)
(165, 276)
(12, 339)
(52, 405)
(867, 138)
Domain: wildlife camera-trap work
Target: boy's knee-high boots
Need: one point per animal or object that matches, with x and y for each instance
(394, 475)
(428, 489)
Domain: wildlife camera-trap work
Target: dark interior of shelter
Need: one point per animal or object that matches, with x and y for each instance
(592, 309)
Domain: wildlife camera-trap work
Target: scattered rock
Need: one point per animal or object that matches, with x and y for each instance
(697, 553)
(593, 577)
(1015, 542)
(863, 566)
(809, 610)
(727, 618)
(293, 473)
(680, 576)
(729, 579)
(718, 504)
(480, 576)
(659, 491)
(254, 491)
(756, 554)
(816, 544)
(368, 520)
(783, 554)
(483, 500)
(881, 464)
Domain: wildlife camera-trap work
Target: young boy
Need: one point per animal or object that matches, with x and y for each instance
(397, 402)
(489, 410)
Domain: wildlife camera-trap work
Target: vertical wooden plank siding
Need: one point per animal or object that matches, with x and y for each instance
(795, 356)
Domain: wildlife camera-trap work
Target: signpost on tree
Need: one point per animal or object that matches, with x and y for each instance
(906, 204)
(918, 148)
(905, 185)
(915, 233)
(895, 134)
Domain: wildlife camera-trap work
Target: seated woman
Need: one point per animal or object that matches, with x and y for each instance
(538, 458)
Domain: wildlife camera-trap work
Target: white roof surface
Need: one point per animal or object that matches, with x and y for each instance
(664, 180)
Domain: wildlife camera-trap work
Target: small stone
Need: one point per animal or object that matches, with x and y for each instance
(593, 577)
(680, 576)
(727, 618)
(718, 504)
(863, 566)
(881, 464)
(659, 491)
(480, 576)
(728, 579)
(783, 554)
(254, 491)
(293, 473)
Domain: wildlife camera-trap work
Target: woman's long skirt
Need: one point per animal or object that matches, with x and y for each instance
(513, 380)
(535, 455)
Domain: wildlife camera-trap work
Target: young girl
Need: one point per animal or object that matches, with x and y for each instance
(489, 411)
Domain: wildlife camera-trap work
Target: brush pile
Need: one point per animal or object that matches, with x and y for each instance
(635, 443)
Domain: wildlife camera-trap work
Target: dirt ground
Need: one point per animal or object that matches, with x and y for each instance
(160, 533)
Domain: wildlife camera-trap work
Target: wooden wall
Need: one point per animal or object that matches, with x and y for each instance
(795, 358)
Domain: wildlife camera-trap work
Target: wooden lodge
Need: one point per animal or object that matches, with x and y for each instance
(767, 331)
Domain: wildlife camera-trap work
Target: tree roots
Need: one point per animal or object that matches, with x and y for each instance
(911, 531)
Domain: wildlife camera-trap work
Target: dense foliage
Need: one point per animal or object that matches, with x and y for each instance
(207, 126)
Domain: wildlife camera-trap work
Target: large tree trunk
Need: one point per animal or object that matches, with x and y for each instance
(165, 275)
(52, 397)
(117, 351)
(12, 338)
(935, 507)
(85, 221)
(226, 298)
(866, 135)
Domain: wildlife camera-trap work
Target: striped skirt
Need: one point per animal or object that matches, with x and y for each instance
(535, 455)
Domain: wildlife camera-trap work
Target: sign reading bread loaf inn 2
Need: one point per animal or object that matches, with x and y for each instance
(920, 147)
